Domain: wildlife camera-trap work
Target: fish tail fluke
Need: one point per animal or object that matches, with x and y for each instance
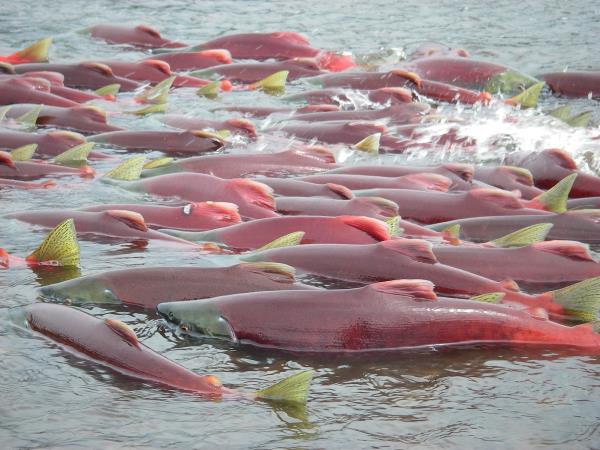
(150, 109)
(30, 118)
(581, 120)
(60, 246)
(128, 170)
(394, 227)
(273, 83)
(528, 98)
(75, 156)
(288, 240)
(525, 236)
(23, 153)
(158, 162)
(36, 52)
(369, 145)
(157, 94)
(492, 297)
(211, 90)
(451, 234)
(293, 389)
(580, 301)
(109, 91)
(555, 198)
(561, 113)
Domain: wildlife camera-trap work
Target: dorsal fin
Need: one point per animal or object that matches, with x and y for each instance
(555, 198)
(288, 240)
(568, 249)
(101, 68)
(417, 289)
(130, 218)
(148, 30)
(409, 76)
(281, 273)
(369, 145)
(417, 249)
(502, 198)
(340, 190)
(60, 246)
(464, 171)
(123, 330)
(23, 153)
(254, 192)
(128, 170)
(162, 66)
(524, 236)
(375, 228)
(6, 159)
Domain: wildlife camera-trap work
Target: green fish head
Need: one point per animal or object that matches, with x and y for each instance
(80, 291)
(509, 82)
(197, 318)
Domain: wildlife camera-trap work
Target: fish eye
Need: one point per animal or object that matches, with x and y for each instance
(187, 209)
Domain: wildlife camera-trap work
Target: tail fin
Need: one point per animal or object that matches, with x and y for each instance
(580, 300)
(273, 83)
(492, 297)
(129, 170)
(293, 389)
(23, 153)
(159, 162)
(109, 92)
(36, 52)
(158, 94)
(580, 120)
(60, 246)
(150, 109)
(75, 156)
(288, 240)
(555, 198)
(370, 144)
(394, 227)
(211, 90)
(528, 98)
(524, 236)
(30, 117)
(451, 234)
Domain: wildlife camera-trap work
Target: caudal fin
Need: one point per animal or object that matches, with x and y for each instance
(274, 83)
(36, 52)
(524, 236)
(109, 91)
(23, 153)
(528, 98)
(75, 156)
(369, 145)
(158, 94)
(210, 90)
(581, 301)
(555, 198)
(129, 170)
(59, 248)
(29, 119)
(293, 389)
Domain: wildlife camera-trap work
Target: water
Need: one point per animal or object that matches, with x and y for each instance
(467, 399)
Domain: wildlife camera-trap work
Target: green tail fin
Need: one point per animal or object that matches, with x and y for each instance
(562, 113)
(555, 198)
(109, 89)
(529, 97)
(60, 246)
(211, 90)
(289, 240)
(292, 389)
(23, 153)
(580, 300)
(75, 156)
(452, 233)
(524, 236)
(3, 111)
(30, 117)
(150, 109)
(159, 162)
(370, 144)
(158, 94)
(394, 227)
(580, 120)
(273, 83)
(36, 52)
(492, 297)
(129, 170)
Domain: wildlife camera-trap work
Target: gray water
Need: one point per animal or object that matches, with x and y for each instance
(459, 399)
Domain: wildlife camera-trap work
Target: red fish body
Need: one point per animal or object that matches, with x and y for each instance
(87, 75)
(377, 208)
(185, 61)
(146, 287)
(291, 187)
(83, 119)
(394, 315)
(17, 184)
(574, 84)
(550, 166)
(308, 159)
(433, 207)
(317, 229)
(255, 200)
(337, 132)
(52, 143)
(153, 71)
(415, 181)
(191, 217)
(32, 170)
(340, 96)
(22, 90)
(139, 36)
(173, 142)
(394, 115)
(248, 73)
(236, 126)
(266, 111)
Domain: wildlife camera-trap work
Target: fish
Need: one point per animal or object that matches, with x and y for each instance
(153, 71)
(236, 126)
(342, 96)
(198, 216)
(142, 36)
(18, 184)
(146, 287)
(509, 178)
(576, 84)
(408, 258)
(182, 61)
(266, 111)
(170, 142)
(111, 343)
(429, 49)
(399, 114)
(291, 187)
(36, 52)
(248, 73)
(24, 90)
(375, 207)
(32, 170)
(59, 249)
(413, 181)
(391, 315)
(316, 229)
(550, 166)
(86, 75)
(51, 143)
(302, 160)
